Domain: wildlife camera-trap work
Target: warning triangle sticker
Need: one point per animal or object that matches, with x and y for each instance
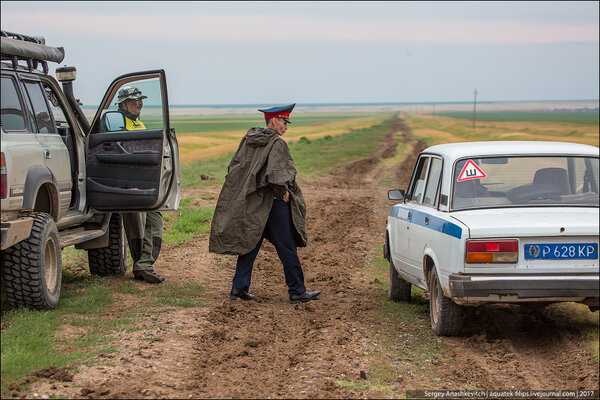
(471, 171)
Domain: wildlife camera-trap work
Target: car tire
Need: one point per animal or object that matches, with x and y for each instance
(399, 288)
(112, 259)
(593, 308)
(32, 268)
(446, 316)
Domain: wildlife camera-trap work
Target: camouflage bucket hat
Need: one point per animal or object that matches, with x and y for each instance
(129, 92)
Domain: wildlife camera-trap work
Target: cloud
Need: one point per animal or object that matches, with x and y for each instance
(277, 29)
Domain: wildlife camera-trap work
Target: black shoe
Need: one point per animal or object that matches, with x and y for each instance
(304, 297)
(148, 275)
(240, 294)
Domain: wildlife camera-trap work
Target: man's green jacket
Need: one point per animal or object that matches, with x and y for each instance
(261, 170)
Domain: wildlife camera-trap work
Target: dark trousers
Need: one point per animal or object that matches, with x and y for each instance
(279, 231)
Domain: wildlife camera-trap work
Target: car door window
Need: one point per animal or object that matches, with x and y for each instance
(139, 101)
(433, 180)
(13, 116)
(43, 117)
(418, 185)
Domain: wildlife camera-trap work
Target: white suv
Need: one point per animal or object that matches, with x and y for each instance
(62, 176)
(496, 222)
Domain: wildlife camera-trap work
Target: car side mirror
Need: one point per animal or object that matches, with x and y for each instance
(396, 194)
(113, 121)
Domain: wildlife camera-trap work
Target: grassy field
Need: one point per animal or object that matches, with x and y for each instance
(204, 138)
(437, 129)
(575, 117)
(313, 153)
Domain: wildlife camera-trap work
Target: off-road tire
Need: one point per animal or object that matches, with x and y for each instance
(112, 259)
(32, 268)
(446, 316)
(399, 288)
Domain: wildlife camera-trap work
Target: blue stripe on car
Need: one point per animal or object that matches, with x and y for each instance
(435, 223)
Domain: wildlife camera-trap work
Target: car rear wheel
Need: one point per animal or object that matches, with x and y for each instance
(446, 316)
(110, 260)
(32, 268)
(399, 288)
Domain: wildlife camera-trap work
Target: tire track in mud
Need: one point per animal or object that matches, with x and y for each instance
(505, 346)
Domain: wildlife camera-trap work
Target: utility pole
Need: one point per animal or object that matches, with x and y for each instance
(474, 107)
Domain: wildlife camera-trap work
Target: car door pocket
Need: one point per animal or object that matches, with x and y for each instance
(110, 196)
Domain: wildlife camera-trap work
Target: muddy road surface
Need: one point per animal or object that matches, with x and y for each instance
(269, 348)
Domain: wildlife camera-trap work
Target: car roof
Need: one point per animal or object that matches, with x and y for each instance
(506, 148)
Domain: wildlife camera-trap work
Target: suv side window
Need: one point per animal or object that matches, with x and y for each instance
(13, 116)
(433, 181)
(55, 106)
(418, 185)
(43, 116)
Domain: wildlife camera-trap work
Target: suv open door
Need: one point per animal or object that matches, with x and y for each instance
(133, 166)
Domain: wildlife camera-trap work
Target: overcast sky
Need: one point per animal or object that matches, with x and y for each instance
(326, 52)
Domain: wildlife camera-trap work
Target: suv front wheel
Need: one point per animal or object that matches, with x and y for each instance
(33, 267)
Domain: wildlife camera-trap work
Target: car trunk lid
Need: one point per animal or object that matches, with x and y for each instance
(530, 222)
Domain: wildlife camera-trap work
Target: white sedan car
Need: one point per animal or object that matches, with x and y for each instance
(489, 222)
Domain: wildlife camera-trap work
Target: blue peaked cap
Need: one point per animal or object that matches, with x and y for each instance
(279, 112)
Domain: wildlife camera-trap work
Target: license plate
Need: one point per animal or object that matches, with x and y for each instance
(570, 251)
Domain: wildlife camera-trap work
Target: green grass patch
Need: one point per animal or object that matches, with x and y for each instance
(214, 166)
(82, 326)
(575, 117)
(318, 156)
(32, 339)
(404, 339)
(187, 222)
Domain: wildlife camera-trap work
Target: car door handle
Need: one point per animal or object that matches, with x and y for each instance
(426, 220)
(47, 154)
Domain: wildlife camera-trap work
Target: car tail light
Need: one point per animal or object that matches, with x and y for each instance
(3, 184)
(492, 251)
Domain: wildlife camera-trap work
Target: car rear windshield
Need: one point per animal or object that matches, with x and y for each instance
(525, 181)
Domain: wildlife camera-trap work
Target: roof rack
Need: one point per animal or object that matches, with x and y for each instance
(32, 49)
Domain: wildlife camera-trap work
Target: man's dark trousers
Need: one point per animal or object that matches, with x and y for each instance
(279, 231)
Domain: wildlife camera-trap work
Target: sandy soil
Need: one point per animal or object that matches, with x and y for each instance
(269, 348)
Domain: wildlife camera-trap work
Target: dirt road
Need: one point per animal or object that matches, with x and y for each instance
(270, 348)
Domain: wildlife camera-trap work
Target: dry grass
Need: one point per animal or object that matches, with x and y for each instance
(450, 130)
(200, 145)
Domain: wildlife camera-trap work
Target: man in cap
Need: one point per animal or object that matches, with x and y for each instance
(130, 105)
(260, 199)
(143, 229)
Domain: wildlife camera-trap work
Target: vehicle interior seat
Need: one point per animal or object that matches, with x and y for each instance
(470, 189)
(553, 176)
